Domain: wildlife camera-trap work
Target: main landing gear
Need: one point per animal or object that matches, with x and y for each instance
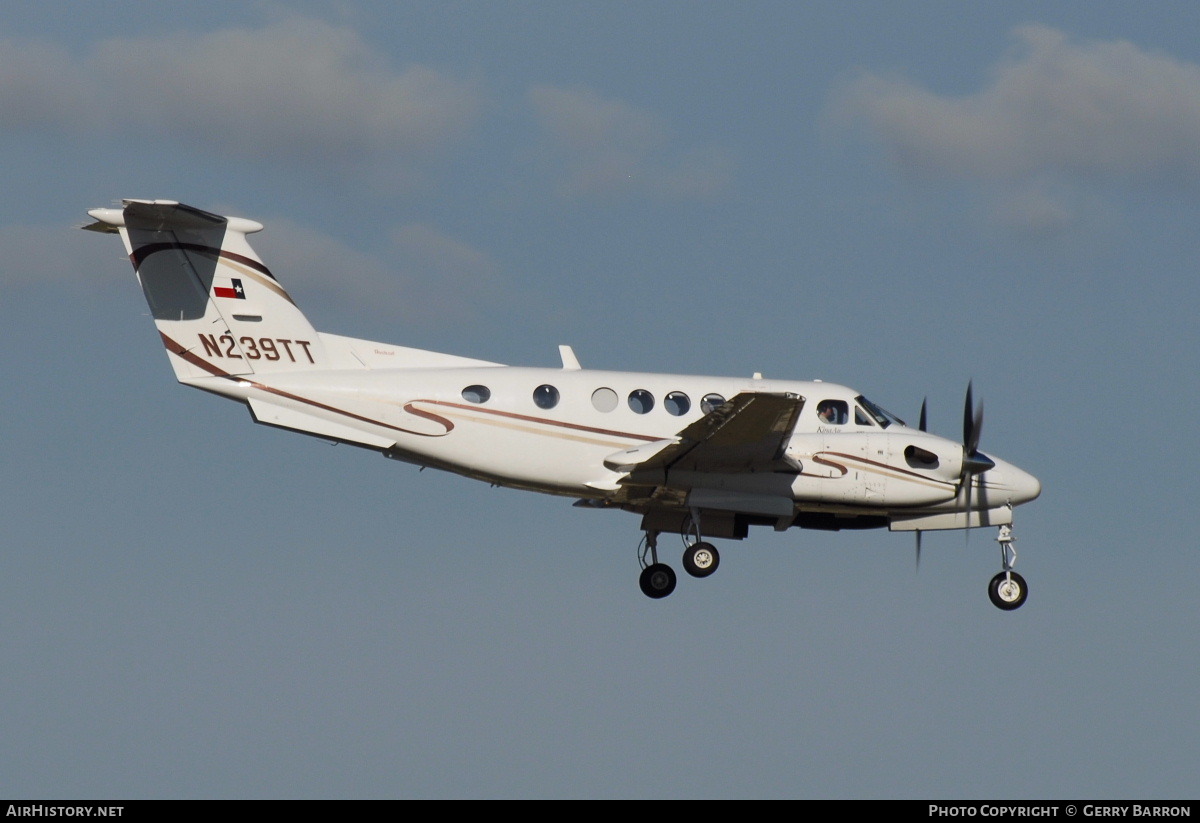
(700, 559)
(1008, 589)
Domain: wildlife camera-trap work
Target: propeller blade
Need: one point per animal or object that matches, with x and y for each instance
(972, 423)
(921, 424)
(967, 528)
(918, 550)
(974, 463)
(977, 428)
(967, 418)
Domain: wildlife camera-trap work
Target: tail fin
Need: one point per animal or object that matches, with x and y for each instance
(219, 310)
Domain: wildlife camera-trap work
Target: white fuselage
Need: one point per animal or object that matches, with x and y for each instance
(433, 416)
(698, 456)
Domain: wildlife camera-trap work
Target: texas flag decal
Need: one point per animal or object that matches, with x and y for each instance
(233, 290)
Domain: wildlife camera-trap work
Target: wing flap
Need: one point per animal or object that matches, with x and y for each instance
(747, 434)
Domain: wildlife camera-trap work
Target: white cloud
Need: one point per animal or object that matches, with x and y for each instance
(297, 89)
(1034, 212)
(603, 146)
(450, 261)
(448, 279)
(427, 277)
(311, 262)
(36, 255)
(1083, 111)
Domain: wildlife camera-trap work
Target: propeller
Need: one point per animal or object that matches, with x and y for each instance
(922, 425)
(974, 461)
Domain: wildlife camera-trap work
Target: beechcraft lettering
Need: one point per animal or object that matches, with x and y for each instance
(697, 457)
(267, 348)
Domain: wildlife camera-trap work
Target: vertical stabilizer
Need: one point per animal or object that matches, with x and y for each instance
(219, 310)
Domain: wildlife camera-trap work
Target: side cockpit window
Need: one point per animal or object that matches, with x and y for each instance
(833, 412)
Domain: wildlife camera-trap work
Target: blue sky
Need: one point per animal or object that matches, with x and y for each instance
(901, 197)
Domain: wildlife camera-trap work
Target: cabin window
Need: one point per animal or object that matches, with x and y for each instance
(641, 401)
(546, 397)
(477, 394)
(677, 403)
(710, 402)
(833, 412)
(604, 399)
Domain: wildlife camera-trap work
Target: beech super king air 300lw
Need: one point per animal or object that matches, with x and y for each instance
(702, 457)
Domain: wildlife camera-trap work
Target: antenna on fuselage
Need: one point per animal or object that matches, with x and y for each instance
(569, 360)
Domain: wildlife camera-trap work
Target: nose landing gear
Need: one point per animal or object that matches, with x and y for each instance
(1007, 590)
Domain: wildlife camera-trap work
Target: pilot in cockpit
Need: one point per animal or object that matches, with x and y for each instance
(832, 412)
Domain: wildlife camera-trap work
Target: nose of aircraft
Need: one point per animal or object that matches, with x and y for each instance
(1018, 485)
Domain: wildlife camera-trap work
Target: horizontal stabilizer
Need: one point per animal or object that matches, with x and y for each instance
(166, 215)
(271, 414)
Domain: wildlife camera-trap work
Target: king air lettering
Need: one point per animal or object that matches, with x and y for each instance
(261, 348)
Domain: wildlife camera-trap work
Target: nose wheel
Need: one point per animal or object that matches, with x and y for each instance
(1007, 590)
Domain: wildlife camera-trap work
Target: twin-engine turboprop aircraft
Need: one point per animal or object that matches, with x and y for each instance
(703, 457)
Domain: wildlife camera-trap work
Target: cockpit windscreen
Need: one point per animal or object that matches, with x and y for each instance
(881, 416)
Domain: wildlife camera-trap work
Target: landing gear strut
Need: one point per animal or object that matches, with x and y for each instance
(1008, 589)
(700, 559)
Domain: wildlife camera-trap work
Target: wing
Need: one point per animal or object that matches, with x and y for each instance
(747, 434)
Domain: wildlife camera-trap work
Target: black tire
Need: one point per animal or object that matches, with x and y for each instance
(701, 559)
(657, 580)
(1006, 594)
